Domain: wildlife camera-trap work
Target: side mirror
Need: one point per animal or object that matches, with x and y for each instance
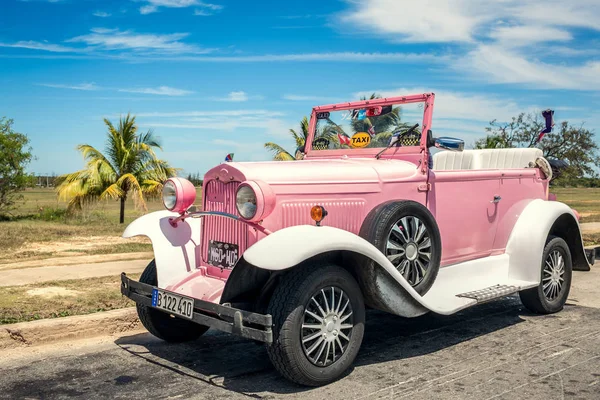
(449, 143)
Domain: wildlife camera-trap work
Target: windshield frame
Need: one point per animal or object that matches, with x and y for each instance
(426, 98)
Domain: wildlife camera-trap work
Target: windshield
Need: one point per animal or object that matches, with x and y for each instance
(367, 127)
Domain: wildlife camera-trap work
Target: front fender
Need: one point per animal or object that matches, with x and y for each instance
(176, 249)
(387, 288)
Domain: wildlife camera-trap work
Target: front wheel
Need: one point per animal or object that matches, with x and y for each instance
(555, 283)
(318, 324)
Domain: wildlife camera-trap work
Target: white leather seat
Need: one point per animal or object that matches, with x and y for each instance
(505, 158)
(485, 159)
(451, 160)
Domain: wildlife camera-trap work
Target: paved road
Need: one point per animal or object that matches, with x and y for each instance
(493, 351)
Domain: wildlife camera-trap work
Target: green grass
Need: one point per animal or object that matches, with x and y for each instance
(585, 200)
(41, 218)
(94, 295)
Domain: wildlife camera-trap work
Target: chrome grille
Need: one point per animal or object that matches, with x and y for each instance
(220, 196)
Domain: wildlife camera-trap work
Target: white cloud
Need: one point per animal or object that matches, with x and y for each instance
(114, 39)
(82, 86)
(518, 36)
(235, 97)
(33, 45)
(506, 66)
(464, 20)
(499, 40)
(102, 14)
(161, 90)
(153, 6)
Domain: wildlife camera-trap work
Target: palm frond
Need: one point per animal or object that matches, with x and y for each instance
(279, 153)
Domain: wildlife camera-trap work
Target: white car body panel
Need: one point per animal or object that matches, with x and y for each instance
(176, 249)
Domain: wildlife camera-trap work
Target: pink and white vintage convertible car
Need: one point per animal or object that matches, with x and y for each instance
(377, 213)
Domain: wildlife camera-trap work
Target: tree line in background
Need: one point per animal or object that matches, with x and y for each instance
(130, 168)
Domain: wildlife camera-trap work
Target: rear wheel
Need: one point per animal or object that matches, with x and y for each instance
(318, 324)
(555, 283)
(408, 235)
(162, 325)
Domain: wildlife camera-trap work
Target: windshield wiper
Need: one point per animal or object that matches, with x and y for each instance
(397, 137)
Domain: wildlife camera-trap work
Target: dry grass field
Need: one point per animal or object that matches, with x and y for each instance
(40, 228)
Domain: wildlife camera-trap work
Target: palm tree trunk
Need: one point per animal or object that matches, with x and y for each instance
(122, 217)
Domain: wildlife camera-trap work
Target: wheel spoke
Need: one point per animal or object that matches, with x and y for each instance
(337, 309)
(332, 299)
(399, 233)
(327, 353)
(393, 246)
(401, 268)
(315, 316)
(321, 348)
(415, 225)
(312, 326)
(346, 326)
(425, 255)
(547, 284)
(345, 317)
(314, 346)
(407, 270)
(421, 267)
(420, 233)
(404, 223)
(339, 342)
(425, 244)
(345, 306)
(394, 257)
(311, 337)
(342, 334)
(326, 303)
(323, 314)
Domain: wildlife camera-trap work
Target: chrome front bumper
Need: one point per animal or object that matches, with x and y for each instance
(227, 319)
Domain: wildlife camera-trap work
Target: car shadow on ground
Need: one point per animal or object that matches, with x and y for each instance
(242, 366)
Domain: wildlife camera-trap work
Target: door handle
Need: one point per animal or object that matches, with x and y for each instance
(496, 199)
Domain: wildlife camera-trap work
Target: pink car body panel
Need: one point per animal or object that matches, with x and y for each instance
(351, 183)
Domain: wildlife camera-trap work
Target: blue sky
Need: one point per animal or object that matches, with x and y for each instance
(226, 76)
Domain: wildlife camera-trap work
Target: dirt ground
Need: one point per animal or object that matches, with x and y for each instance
(496, 350)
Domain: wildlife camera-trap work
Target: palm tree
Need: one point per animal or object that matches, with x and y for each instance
(129, 166)
(281, 154)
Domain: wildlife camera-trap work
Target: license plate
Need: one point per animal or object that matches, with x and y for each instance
(223, 255)
(175, 304)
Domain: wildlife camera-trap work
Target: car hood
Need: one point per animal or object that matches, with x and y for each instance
(327, 172)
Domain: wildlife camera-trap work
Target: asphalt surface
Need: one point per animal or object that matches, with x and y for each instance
(496, 350)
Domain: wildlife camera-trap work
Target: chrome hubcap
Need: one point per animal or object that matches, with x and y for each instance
(409, 249)
(327, 326)
(553, 275)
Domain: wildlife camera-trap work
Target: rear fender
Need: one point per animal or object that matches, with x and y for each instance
(385, 289)
(176, 249)
(527, 240)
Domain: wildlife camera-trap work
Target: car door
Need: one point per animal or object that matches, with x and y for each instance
(465, 206)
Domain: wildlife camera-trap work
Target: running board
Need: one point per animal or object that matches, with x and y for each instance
(490, 293)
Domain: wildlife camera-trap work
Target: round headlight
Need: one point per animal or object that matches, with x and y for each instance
(245, 201)
(169, 195)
